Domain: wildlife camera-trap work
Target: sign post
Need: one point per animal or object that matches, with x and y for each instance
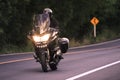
(94, 21)
(94, 30)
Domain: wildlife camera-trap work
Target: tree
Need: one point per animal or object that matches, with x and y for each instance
(73, 15)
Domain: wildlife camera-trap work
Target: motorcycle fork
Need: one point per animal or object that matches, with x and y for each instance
(39, 52)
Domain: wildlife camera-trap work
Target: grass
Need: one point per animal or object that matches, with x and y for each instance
(106, 35)
(89, 39)
(74, 43)
(15, 49)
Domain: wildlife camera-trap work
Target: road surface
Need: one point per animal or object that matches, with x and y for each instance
(93, 62)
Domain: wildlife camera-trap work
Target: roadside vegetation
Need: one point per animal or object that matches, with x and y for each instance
(74, 19)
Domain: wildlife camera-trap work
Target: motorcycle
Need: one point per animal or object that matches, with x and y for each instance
(43, 38)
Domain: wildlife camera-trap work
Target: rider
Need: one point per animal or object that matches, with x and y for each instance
(53, 25)
(53, 21)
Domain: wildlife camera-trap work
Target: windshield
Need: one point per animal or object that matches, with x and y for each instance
(41, 23)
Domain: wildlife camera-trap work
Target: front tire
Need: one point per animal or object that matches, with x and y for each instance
(54, 63)
(53, 66)
(44, 64)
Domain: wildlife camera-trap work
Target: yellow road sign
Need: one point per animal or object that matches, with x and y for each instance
(94, 21)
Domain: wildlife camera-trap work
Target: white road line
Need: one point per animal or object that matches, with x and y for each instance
(12, 61)
(97, 44)
(70, 48)
(64, 54)
(92, 50)
(12, 54)
(92, 71)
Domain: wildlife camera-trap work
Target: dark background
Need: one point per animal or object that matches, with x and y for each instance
(73, 15)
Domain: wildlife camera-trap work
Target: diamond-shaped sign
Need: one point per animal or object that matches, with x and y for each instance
(94, 21)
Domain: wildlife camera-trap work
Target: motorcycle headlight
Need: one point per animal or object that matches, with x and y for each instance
(43, 38)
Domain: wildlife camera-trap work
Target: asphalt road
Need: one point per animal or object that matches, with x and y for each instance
(93, 62)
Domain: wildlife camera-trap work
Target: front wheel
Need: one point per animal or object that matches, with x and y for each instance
(53, 66)
(44, 64)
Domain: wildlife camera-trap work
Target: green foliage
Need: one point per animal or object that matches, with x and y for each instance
(10, 48)
(73, 15)
(1, 31)
(74, 43)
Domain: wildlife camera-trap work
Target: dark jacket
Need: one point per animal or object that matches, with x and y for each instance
(54, 23)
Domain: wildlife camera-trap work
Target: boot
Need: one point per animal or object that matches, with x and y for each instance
(59, 54)
(35, 57)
